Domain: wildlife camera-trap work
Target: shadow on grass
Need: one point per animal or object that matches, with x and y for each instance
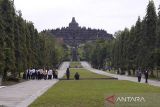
(92, 79)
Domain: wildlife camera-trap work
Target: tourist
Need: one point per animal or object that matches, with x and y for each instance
(45, 74)
(67, 73)
(54, 74)
(28, 74)
(38, 75)
(146, 76)
(41, 74)
(76, 76)
(33, 73)
(50, 74)
(139, 75)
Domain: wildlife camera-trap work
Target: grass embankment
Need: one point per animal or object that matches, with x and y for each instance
(75, 64)
(84, 74)
(88, 93)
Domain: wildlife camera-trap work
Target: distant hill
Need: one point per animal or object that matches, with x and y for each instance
(74, 35)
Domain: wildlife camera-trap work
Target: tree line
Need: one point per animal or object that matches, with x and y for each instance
(21, 46)
(98, 53)
(137, 47)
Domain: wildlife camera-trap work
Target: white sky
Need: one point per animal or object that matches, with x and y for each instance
(111, 15)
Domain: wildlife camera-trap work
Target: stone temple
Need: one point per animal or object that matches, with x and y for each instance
(74, 35)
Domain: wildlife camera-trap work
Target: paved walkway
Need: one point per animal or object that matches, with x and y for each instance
(23, 94)
(87, 66)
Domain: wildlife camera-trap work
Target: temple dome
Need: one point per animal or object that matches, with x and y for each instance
(73, 24)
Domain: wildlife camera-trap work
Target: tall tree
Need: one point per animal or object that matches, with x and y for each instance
(17, 44)
(22, 41)
(28, 45)
(158, 29)
(157, 49)
(2, 34)
(150, 37)
(131, 54)
(138, 42)
(8, 14)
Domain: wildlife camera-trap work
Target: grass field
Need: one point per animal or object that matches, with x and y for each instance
(75, 65)
(88, 93)
(84, 74)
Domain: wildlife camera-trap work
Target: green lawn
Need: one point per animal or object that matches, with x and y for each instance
(75, 64)
(84, 74)
(88, 93)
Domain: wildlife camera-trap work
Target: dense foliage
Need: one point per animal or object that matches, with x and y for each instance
(21, 46)
(137, 47)
(97, 53)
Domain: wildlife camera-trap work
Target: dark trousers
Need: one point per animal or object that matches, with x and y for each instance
(139, 79)
(54, 76)
(68, 77)
(45, 77)
(28, 76)
(50, 77)
(146, 80)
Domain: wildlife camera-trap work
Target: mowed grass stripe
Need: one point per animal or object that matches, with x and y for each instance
(88, 93)
(75, 64)
(84, 74)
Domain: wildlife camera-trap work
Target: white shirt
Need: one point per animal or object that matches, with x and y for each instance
(50, 72)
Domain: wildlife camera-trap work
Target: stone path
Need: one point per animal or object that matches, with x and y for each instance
(87, 66)
(23, 94)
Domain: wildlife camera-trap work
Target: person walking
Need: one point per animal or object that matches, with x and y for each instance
(139, 75)
(45, 74)
(68, 73)
(28, 74)
(50, 72)
(55, 74)
(146, 76)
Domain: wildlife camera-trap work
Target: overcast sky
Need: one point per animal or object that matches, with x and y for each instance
(111, 15)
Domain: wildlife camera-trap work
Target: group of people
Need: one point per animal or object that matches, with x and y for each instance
(76, 76)
(40, 74)
(139, 75)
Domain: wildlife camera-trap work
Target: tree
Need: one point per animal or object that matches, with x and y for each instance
(21, 46)
(140, 33)
(116, 50)
(157, 51)
(8, 13)
(158, 30)
(131, 54)
(150, 37)
(51, 52)
(140, 48)
(2, 33)
(18, 49)
(98, 53)
(22, 40)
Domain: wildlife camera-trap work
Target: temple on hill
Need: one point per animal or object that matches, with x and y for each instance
(74, 35)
